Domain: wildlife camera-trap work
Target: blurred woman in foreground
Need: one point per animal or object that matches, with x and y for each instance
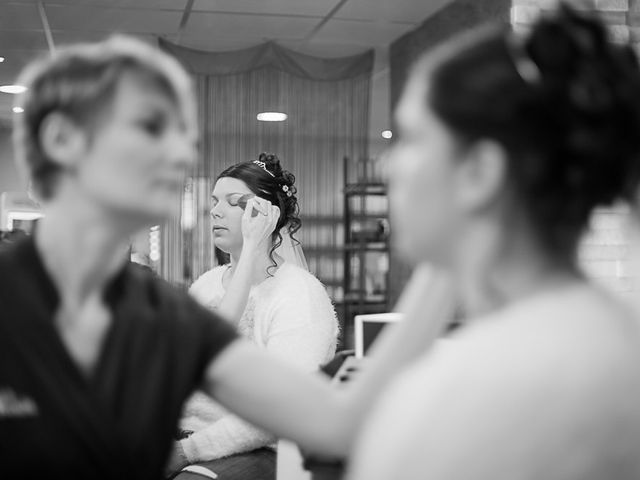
(506, 145)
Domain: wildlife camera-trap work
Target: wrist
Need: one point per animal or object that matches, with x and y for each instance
(255, 249)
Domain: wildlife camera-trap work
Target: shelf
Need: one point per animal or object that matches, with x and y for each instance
(367, 246)
(366, 231)
(369, 216)
(365, 189)
(369, 299)
(338, 250)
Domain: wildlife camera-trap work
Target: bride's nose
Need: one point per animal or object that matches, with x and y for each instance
(215, 212)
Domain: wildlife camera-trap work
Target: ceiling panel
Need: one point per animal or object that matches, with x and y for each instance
(360, 32)
(108, 19)
(316, 8)
(19, 16)
(65, 37)
(148, 4)
(231, 25)
(413, 11)
(22, 39)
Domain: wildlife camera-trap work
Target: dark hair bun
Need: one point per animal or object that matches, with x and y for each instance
(563, 100)
(284, 177)
(272, 163)
(284, 191)
(592, 87)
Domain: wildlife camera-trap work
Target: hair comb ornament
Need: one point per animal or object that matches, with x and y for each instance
(263, 166)
(523, 63)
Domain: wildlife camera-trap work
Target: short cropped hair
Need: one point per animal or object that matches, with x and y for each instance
(80, 81)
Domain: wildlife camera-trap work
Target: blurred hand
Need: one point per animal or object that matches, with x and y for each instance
(257, 230)
(177, 461)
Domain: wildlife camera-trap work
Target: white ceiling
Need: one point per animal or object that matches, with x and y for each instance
(317, 27)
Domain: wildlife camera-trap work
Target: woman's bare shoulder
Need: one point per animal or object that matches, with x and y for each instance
(577, 333)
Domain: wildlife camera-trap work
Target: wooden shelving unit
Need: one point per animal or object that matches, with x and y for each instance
(365, 251)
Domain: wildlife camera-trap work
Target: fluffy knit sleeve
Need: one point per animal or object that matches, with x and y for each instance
(303, 329)
(225, 437)
(300, 326)
(207, 289)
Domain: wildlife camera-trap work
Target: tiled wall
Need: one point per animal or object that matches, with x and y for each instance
(605, 254)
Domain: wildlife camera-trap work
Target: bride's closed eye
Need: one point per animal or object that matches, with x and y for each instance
(241, 201)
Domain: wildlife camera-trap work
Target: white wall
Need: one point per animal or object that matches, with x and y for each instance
(9, 178)
(380, 115)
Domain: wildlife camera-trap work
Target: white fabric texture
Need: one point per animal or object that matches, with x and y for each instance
(546, 389)
(290, 315)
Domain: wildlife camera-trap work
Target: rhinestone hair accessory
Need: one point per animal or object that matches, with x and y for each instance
(263, 166)
(523, 63)
(285, 189)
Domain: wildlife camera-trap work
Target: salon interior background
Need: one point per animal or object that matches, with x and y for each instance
(391, 33)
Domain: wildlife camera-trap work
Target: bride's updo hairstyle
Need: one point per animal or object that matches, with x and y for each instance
(564, 103)
(266, 178)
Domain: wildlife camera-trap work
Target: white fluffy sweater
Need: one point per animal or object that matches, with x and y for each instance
(289, 314)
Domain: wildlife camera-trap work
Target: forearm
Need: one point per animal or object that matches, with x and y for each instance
(227, 436)
(307, 409)
(282, 400)
(234, 301)
(427, 306)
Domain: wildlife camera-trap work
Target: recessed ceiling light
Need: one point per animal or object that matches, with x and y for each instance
(387, 134)
(12, 89)
(1, 59)
(18, 109)
(272, 117)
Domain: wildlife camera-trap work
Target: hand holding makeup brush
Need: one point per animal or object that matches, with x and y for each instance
(258, 221)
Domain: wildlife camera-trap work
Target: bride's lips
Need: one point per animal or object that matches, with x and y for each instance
(218, 228)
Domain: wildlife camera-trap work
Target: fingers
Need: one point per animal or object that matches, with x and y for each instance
(264, 207)
(261, 205)
(248, 211)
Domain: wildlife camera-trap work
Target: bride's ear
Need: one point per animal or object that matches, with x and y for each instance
(482, 175)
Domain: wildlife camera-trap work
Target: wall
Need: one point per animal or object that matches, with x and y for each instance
(9, 178)
(459, 16)
(380, 115)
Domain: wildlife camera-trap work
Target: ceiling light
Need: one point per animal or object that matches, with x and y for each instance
(18, 109)
(12, 89)
(1, 59)
(387, 134)
(272, 117)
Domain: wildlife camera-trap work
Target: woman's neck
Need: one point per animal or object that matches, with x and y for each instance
(494, 268)
(81, 248)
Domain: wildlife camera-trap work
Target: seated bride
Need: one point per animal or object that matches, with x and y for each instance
(268, 292)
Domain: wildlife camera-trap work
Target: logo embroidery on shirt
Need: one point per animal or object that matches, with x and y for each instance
(14, 405)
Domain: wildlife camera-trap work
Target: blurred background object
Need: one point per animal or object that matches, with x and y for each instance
(347, 61)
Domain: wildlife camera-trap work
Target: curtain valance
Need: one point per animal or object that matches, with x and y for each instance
(272, 55)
